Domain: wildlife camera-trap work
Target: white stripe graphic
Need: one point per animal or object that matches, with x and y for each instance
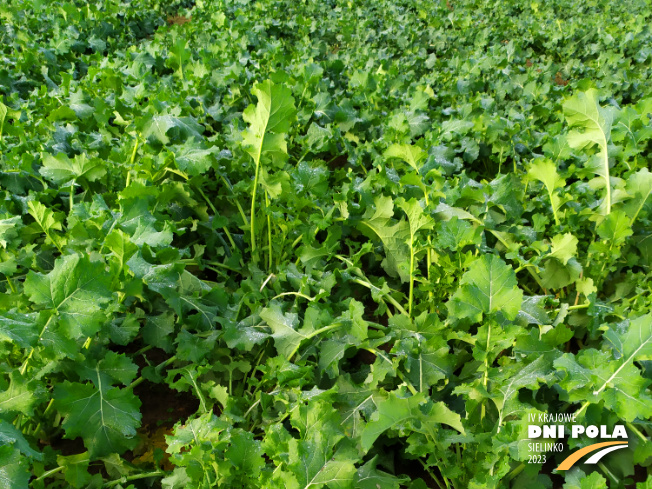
(595, 458)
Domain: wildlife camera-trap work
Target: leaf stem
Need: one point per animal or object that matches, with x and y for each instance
(23, 367)
(222, 265)
(637, 432)
(47, 474)
(312, 335)
(160, 366)
(393, 301)
(584, 406)
(269, 231)
(131, 162)
(411, 293)
(145, 475)
(517, 470)
(237, 202)
(71, 196)
(431, 474)
(299, 294)
(609, 473)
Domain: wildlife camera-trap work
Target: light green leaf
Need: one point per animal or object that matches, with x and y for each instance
(585, 286)
(489, 286)
(268, 121)
(314, 467)
(616, 228)
(22, 396)
(286, 337)
(577, 479)
(193, 157)
(3, 114)
(47, 221)
(76, 289)
(417, 218)
(61, 169)
(394, 235)
(545, 171)
(563, 247)
(412, 155)
(75, 468)
(396, 412)
(160, 127)
(594, 376)
(639, 188)
(9, 229)
(583, 112)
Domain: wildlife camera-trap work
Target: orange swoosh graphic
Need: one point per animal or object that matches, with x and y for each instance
(575, 456)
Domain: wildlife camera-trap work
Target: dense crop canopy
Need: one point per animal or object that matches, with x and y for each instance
(323, 244)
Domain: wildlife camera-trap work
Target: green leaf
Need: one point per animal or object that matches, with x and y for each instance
(507, 383)
(158, 331)
(396, 413)
(593, 376)
(22, 396)
(164, 127)
(245, 453)
(616, 228)
(60, 169)
(10, 435)
(76, 289)
(46, 220)
(545, 171)
(456, 233)
(14, 472)
(636, 343)
(112, 368)
(417, 218)
(369, 477)
(412, 155)
(268, 121)
(489, 286)
(118, 242)
(556, 275)
(206, 428)
(395, 237)
(645, 485)
(563, 247)
(286, 337)
(264, 140)
(75, 468)
(583, 112)
(193, 157)
(576, 479)
(20, 328)
(639, 188)
(9, 230)
(105, 417)
(3, 115)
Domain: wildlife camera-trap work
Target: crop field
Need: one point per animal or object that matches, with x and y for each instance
(305, 244)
